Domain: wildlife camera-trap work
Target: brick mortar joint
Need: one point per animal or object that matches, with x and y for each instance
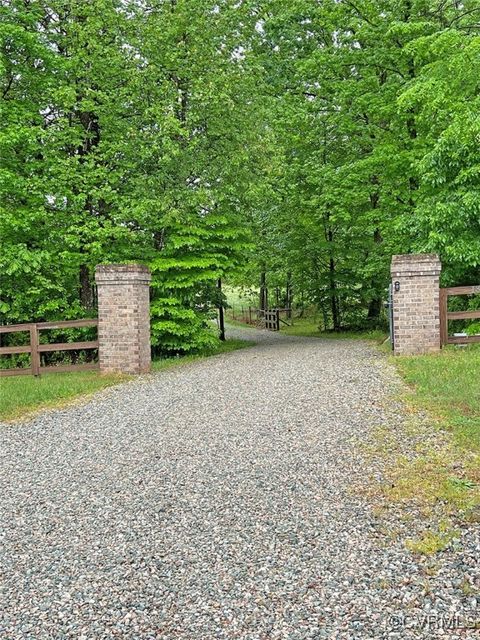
(131, 278)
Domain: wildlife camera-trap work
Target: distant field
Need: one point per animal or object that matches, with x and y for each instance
(238, 295)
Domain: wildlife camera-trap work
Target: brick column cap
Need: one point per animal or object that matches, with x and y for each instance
(415, 264)
(121, 273)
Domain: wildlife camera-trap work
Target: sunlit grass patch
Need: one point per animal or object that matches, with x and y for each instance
(448, 384)
(21, 395)
(432, 461)
(436, 476)
(309, 327)
(432, 541)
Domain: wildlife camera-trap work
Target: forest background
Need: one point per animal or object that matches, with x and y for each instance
(288, 145)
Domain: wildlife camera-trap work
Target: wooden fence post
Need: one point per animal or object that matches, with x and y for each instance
(34, 354)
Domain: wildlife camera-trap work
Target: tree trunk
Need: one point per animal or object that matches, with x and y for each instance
(91, 139)
(289, 295)
(374, 308)
(86, 289)
(411, 123)
(221, 318)
(334, 306)
(334, 298)
(263, 290)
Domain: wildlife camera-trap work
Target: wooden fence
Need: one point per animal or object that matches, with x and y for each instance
(35, 348)
(446, 315)
(261, 318)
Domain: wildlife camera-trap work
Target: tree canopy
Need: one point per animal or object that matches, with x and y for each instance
(294, 142)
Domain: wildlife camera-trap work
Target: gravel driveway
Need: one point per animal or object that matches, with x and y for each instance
(215, 500)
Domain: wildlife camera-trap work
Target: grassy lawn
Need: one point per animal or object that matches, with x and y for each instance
(309, 327)
(448, 384)
(21, 395)
(440, 476)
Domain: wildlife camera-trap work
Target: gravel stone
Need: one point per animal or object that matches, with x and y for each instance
(219, 500)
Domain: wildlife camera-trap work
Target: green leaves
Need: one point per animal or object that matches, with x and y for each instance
(309, 141)
(446, 97)
(376, 116)
(131, 146)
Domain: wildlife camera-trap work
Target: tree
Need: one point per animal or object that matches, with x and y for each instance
(137, 150)
(353, 111)
(289, 142)
(446, 97)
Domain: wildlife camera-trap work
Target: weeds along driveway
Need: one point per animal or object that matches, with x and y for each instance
(214, 500)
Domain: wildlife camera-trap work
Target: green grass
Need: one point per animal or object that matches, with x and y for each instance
(440, 476)
(448, 384)
(21, 395)
(309, 327)
(431, 542)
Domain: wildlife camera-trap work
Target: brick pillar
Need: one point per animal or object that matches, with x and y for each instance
(123, 317)
(416, 303)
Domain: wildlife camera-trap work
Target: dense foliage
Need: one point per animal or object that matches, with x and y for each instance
(292, 143)
(375, 105)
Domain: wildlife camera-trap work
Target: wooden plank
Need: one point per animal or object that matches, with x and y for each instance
(13, 328)
(272, 319)
(68, 346)
(463, 315)
(24, 348)
(27, 371)
(62, 324)
(35, 356)
(68, 324)
(462, 291)
(89, 366)
(463, 340)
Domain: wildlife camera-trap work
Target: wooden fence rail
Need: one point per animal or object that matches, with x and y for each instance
(446, 315)
(35, 348)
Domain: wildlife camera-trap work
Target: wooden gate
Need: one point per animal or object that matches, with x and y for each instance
(446, 315)
(272, 319)
(35, 348)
